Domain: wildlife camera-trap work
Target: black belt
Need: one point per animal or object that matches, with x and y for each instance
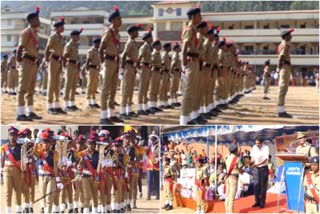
(13, 67)
(111, 58)
(193, 55)
(285, 62)
(262, 168)
(72, 61)
(156, 68)
(310, 198)
(29, 57)
(207, 65)
(167, 177)
(130, 62)
(146, 64)
(56, 57)
(215, 67)
(94, 66)
(176, 69)
(165, 70)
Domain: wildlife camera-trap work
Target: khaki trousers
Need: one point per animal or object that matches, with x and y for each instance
(90, 189)
(231, 190)
(174, 85)
(144, 85)
(27, 83)
(12, 181)
(154, 86)
(67, 191)
(48, 184)
(71, 78)
(266, 85)
(284, 80)
(109, 87)
(78, 192)
(28, 192)
(128, 85)
(164, 86)
(93, 83)
(54, 72)
(204, 85)
(133, 186)
(13, 78)
(200, 203)
(167, 191)
(4, 79)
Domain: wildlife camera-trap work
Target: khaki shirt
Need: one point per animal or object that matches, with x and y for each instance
(201, 173)
(166, 60)
(12, 63)
(71, 51)
(190, 35)
(306, 149)
(215, 57)
(283, 50)
(4, 65)
(201, 46)
(130, 51)
(228, 59)
(208, 52)
(29, 41)
(176, 61)
(315, 181)
(167, 171)
(110, 42)
(145, 53)
(222, 57)
(156, 58)
(93, 55)
(237, 166)
(56, 44)
(266, 72)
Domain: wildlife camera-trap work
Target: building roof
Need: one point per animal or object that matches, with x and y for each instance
(173, 2)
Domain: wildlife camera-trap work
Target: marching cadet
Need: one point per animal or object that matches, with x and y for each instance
(267, 78)
(201, 183)
(109, 51)
(168, 184)
(175, 71)
(145, 73)
(13, 73)
(48, 170)
(71, 63)
(198, 110)
(234, 166)
(4, 73)
(11, 170)
(284, 70)
(27, 56)
(93, 67)
(88, 165)
(190, 61)
(155, 77)
(43, 85)
(165, 77)
(129, 63)
(54, 57)
(312, 186)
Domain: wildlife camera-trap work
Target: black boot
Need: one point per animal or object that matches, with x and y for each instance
(169, 207)
(165, 206)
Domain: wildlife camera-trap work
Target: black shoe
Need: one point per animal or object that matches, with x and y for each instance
(90, 106)
(116, 119)
(162, 107)
(60, 111)
(200, 118)
(83, 92)
(116, 104)
(31, 210)
(75, 210)
(148, 111)
(256, 205)
(169, 207)
(52, 111)
(70, 211)
(165, 206)
(142, 112)
(191, 122)
(106, 121)
(121, 210)
(158, 109)
(124, 117)
(205, 116)
(216, 110)
(96, 105)
(81, 210)
(33, 116)
(148, 198)
(266, 98)
(25, 210)
(154, 110)
(77, 93)
(69, 108)
(42, 210)
(170, 107)
(284, 115)
(261, 205)
(128, 207)
(132, 114)
(209, 115)
(75, 108)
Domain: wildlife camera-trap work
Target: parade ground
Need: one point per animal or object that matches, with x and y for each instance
(144, 205)
(301, 102)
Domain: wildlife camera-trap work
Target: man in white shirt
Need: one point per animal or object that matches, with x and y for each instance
(260, 155)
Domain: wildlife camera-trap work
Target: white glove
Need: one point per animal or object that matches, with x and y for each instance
(278, 70)
(120, 75)
(104, 163)
(138, 76)
(127, 175)
(69, 163)
(1, 170)
(59, 186)
(183, 77)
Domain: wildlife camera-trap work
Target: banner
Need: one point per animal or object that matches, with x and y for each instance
(186, 181)
(293, 176)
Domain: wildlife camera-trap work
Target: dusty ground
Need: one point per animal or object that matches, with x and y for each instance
(301, 102)
(144, 206)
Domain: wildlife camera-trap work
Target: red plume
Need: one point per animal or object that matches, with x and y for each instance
(206, 21)
(218, 29)
(224, 38)
(210, 26)
(62, 18)
(81, 29)
(44, 135)
(38, 9)
(47, 129)
(102, 139)
(115, 8)
(139, 25)
(198, 5)
(149, 30)
(291, 30)
(158, 39)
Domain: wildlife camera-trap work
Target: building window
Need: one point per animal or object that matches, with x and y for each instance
(284, 26)
(249, 49)
(266, 27)
(303, 26)
(231, 27)
(176, 26)
(160, 12)
(178, 11)
(9, 22)
(248, 27)
(8, 38)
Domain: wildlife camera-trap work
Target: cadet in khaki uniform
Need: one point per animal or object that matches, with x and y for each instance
(43, 70)
(129, 65)
(175, 73)
(145, 73)
(267, 78)
(165, 77)
(234, 166)
(220, 101)
(284, 69)
(13, 74)
(11, 170)
(198, 106)
(228, 66)
(109, 55)
(168, 184)
(93, 67)
(190, 61)
(27, 56)
(304, 147)
(4, 73)
(54, 58)
(201, 183)
(312, 186)
(155, 77)
(71, 63)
